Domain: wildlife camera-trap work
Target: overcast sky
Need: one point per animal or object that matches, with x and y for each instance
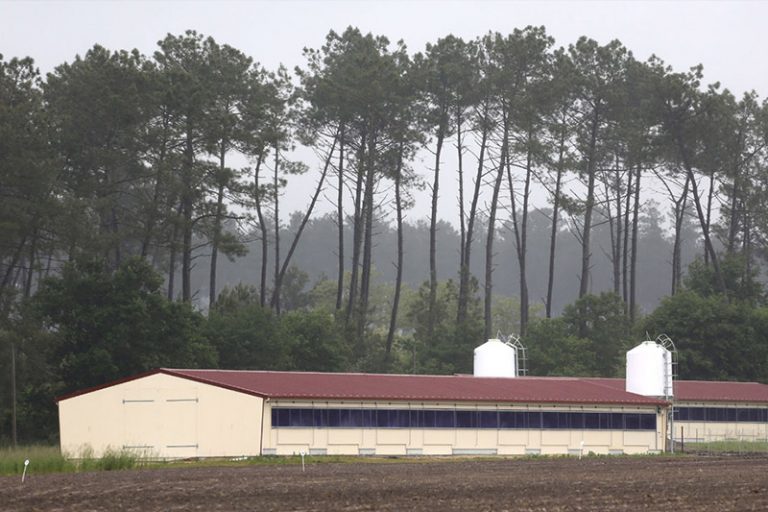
(729, 38)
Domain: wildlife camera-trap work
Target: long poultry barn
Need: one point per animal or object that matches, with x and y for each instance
(171, 413)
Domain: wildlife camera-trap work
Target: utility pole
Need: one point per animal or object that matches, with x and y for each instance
(14, 435)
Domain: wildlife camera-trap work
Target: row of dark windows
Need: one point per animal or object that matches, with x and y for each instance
(731, 414)
(426, 418)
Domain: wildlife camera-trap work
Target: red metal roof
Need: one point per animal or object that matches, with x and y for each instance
(706, 391)
(358, 386)
(450, 388)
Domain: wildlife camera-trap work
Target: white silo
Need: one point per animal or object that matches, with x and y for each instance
(494, 358)
(649, 370)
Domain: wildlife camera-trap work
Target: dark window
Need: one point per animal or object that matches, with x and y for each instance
(404, 418)
(399, 418)
(592, 421)
(382, 418)
(280, 417)
(320, 417)
(513, 419)
(445, 419)
(488, 419)
(616, 421)
(632, 421)
(648, 422)
(295, 416)
(334, 418)
(350, 418)
(549, 420)
(466, 419)
(428, 419)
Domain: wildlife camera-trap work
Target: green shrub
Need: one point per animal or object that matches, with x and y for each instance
(42, 459)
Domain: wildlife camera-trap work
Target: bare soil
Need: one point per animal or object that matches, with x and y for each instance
(563, 484)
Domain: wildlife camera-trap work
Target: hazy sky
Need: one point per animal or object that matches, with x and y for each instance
(729, 38)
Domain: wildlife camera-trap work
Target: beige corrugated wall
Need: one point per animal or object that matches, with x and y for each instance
(405, 441)
(690, 431)
(162, 416)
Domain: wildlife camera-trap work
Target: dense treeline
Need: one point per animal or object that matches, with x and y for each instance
(121, 174)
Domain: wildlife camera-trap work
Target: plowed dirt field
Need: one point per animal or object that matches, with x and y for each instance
(698, 484)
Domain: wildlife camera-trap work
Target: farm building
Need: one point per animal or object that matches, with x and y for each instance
(173, 413)
(706, 411)
(203, 413)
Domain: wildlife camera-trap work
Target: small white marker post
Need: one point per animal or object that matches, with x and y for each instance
(581, 451)
(302, 460)
(24, 473)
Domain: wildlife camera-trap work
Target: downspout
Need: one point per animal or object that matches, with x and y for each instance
(261, 435)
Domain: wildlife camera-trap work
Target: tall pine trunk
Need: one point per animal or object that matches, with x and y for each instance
(258, 201)
(703, 219)
(488, 299)
(357, 232)
(463, 299)
(433, 234)
(708, 223)
(399, 275)
(619, 237)
(588, 209)
(174, 250)
(677, 265)
(625, 248)
(555, 220)
(635, 235)
(154, 208)
(519, 229)
(276, 220)
(303, 224)
(340, 223)
(462, 220)
(186, 217)
(217, 222)
(589, 205)
(365, 274)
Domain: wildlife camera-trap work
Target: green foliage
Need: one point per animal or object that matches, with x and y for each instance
(552, 350)
(450, 349)
(741, 283)
(113, 460)
(245, 334)
(49, 459)
(601, 320)
(588, 340)
(248, 336)
(293, 294)
(106, 325)
(42, 459)
(728, 447)
(115, 154)
(715, 339)
(314, 341)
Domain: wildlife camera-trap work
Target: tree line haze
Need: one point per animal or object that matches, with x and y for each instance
(600, 199)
